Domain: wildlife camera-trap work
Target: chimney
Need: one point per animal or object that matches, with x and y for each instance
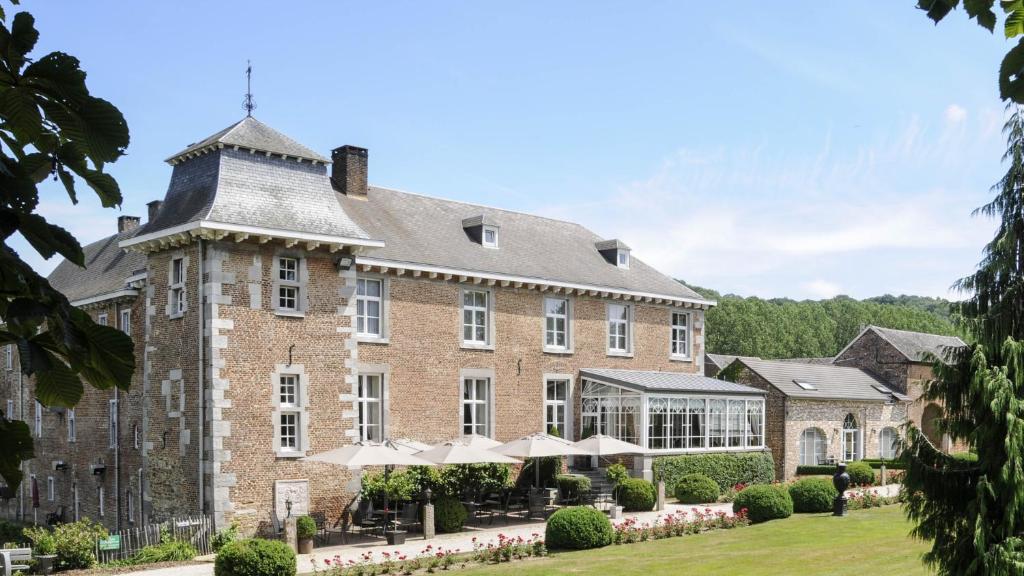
(154, 208)
(348, 172)
(126, 223)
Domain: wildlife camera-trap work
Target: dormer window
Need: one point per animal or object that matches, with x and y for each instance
(623, 259)
(490, 238)
(482, 229)
(615, 252)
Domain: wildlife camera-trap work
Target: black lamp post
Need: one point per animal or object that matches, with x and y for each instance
(841, 480)
(288, 506)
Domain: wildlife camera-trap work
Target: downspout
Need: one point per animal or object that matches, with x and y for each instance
(24, 466)
(202, 373)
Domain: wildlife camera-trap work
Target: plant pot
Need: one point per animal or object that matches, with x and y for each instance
(45, 562)
(395, 537)
(305, 545)
(615, 512)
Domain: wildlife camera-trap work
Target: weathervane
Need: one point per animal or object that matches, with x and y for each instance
(249, 105)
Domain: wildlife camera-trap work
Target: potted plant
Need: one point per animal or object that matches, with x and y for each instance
(305, 530)
(394, 536)
(615, 475)
(44, 548)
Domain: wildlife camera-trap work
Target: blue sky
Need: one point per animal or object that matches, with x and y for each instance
(773, 149)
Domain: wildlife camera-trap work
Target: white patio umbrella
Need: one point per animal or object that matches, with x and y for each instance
(409, 446)
(603, 445)
(478, 441)
(455, 452)
(539, 445)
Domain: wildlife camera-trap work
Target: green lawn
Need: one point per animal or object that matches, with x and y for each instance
(871, 542)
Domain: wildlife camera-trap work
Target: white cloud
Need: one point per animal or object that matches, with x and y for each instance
(955, 114)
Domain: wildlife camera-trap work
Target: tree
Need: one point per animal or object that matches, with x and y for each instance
(1011, 71)
(51, 126)
(973, 512)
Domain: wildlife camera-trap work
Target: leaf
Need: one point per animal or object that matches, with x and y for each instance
(105, 187)
(1011, 74)
(981, 11)
(49, 239)
(937, 9)
(19, 108)
(1014, 24)
(23, 34)
(15, 446)
(111, 360)
(58, 386)
(69, 183)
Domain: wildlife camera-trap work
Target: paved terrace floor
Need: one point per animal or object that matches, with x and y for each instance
(462, 541)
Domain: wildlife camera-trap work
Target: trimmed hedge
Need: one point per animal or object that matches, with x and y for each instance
(818, 470)
(570, 486)
(727, 470)
(812, 495)
(861, 473)
(636, 495)
(449, 514)
(876, 463)
(578, 528)
(696, 489)
(764, 502)
(255, 557)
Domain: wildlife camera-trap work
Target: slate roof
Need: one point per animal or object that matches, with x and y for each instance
(823, 360)
(107, 266)
(429, 231)
(723, 360)
(252, 134)
(651, 381)
(917, 346)
(832, 382)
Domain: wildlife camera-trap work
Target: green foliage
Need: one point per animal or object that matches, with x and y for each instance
(255, 557)
(76, 543)
(549, 469)
(696, 489)
(572, 485)
(10, 532)
(727, 470)
(877, 463)
(399, 486)
(455, 479)
(812, 495)
(636, 495)
(50, 125)
(861, 473)
(764, 502)
(305, 527)
(815, 470)
(578, 528)
(43, 541)
(616, 473)
(170, 550)
(224, 537)
(449, 514)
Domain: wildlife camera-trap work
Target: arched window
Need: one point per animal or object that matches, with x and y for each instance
(851, 439)
(812, 447)
(888, 443)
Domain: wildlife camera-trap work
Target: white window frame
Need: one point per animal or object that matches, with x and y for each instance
(882, 450)
(113, 423)
(177, 301)
(680, 335)
(493, 243)
(852, 436)
(72, 425)
(567, 318)
(566, 403)
(75, 500)
(50, 489)
(101, 318)
(130, 505)
(9, 360)
(288, 279)
(135, 436)
(288, 400)
(291, 406)
(365, 404)
(474, 426)
(363, 300)
(101, 498)
(488, 318)
(9, 414)
(622, 259)
(627, 325)
(38, 420)
(818, 446)
(126, 321)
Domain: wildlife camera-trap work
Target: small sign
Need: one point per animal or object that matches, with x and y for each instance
(111, 543)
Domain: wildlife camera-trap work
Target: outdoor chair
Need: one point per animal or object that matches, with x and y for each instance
(56, 517)
(366, 521)
(320, 519)
(338, 527)
(409, 518)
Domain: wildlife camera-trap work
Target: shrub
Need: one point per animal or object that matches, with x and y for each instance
(696, 489)
(877, 463)
(572, 485)
(10, 532)
(764, 502)
(224, 537)
(815, 470)
(861, 474)
(969, 457)
(449, 514)
(578, 528)
(550, 468)
(170, 550)
(636, 495)
(399, 486)
(726, 470)
(255, 557)
(615, 474)
(456, 479)
(76, 543)
(812, 495)
(305, 527)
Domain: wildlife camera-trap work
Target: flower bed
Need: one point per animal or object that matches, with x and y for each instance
(680, 523)
(869, 499)
(431, 558)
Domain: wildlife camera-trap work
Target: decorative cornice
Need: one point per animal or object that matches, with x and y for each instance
(207, 230)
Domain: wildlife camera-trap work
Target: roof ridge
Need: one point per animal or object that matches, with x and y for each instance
(874, 327)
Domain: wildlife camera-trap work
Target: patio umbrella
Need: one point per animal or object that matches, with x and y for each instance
(603, 445)
(478, 441)
(455, 452)
(539, 445)
(409, 446)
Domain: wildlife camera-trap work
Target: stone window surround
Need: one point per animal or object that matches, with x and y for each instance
(569, 402)
(175, 379)
(479, 373)
(489, 345)
(173, 286)
(125, 320)
(689, 335)
(384, 371)
(101, 318)
(113, 424)
(302, 284)
(72, 425)
(385, 309)
(9, 357)
(570, 324)
(630, 317)
(298, 370)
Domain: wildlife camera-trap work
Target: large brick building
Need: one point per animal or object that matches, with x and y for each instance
(281, 307)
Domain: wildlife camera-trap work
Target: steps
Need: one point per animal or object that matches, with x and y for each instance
(598, 481)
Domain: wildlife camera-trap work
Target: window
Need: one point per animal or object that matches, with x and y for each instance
(618, 329)
(622, 259)
(289, 431)
(812, 447)
(683, 423)
(475, 329)
(888, 443)
(556, 401)
(177, 296)
(716, 423)
(99, 499)
(130, 504)
(288, 283)
(556, 323)
(9, 414)
(9, 356)
(72, 426)
(755, 421)
(611, 410)
(681, 334)
(490, 238)
(50, 489)
(74, 496)
(851, 439)
(135, 436)
(368, 307)
(112, 422)
(126, 321)
(805, 385)
(288, 400)
(476, 406)
(38, 420)
(371, 408)
(735, 423)
(101, 319)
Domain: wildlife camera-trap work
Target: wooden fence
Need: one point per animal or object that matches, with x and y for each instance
(197, 530)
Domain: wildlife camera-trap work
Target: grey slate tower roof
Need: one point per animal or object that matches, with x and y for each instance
(653, 381)
(830, 382)
(107, 267)
(251, 134)
(916, 346)
(428, 231)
